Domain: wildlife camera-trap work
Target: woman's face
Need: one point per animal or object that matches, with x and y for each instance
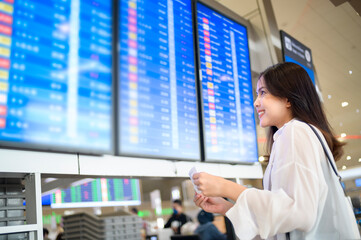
(272, 111)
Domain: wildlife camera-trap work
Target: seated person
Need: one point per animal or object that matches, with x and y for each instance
(206, 229)
(178, 218)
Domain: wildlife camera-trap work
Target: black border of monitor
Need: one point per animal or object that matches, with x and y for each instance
(285, 34)
(218, 8)
(118, 151)
(282, 45)
(39, 147)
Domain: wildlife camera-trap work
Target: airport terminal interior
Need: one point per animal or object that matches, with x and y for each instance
(107, 107)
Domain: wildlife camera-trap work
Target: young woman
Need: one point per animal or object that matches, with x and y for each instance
(302, 198)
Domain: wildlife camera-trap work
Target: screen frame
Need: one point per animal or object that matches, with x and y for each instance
(220, 9)
(40, 147)
(95, 204)
(119, 151)
(285, 34)
(282, 35)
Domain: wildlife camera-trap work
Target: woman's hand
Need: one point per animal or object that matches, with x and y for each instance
(212, 204)
(211, 186)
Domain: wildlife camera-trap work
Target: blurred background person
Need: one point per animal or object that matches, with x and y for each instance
(134, 211)
(45, 234)
(178, 218)
(206, 229)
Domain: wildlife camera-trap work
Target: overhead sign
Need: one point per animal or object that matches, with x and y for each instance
(296, 52)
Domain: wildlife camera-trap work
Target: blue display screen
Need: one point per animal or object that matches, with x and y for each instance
(97, 192)
(229, 123)
(358, 182)
(157, 101)
(55, 74)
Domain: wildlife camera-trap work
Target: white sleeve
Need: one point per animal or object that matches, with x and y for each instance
(293, 201)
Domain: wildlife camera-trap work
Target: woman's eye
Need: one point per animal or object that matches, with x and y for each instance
(260, 93)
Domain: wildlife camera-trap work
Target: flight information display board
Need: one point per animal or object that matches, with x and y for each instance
(55, 75)
(296, 52)
(98, 192)
(226, 88)
(158, 113)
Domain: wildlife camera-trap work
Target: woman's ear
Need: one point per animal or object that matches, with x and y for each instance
(288, 103)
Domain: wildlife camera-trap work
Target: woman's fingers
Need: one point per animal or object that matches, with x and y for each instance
(199, 199)
(196, 197)
(196, 175)
(203, 202)
(199, 178)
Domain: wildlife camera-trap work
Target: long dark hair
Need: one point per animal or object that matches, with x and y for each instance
(291, 81)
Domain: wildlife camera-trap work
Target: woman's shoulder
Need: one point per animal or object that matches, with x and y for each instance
(296, 124)
(298, 139)
(296, 129)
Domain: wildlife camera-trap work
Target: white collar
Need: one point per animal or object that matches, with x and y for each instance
(279, 131)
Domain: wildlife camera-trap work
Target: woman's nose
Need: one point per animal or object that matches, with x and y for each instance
(256, 102)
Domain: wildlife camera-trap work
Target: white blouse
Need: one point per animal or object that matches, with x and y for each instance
(301, 196)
